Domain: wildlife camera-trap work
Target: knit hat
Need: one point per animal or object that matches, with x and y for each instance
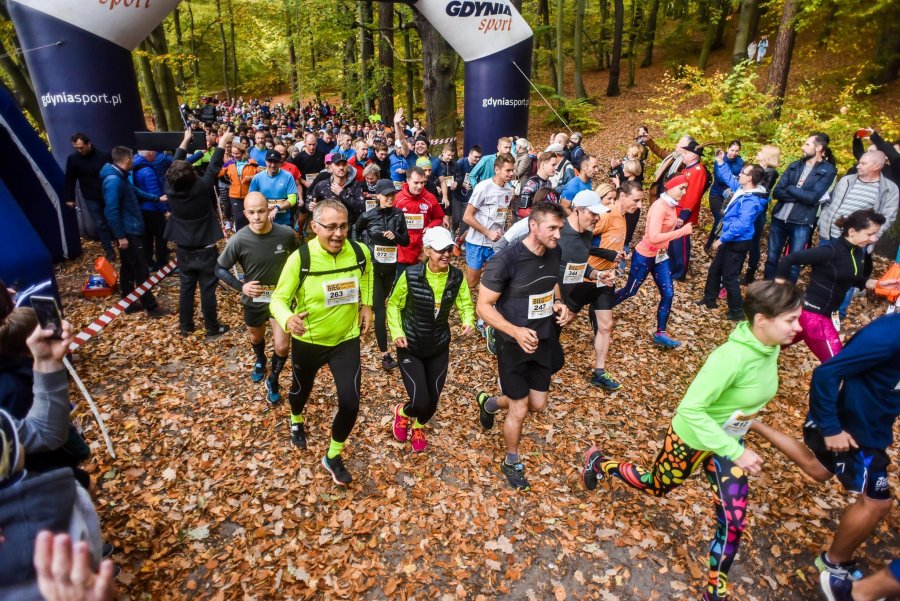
(423, 163)
(676, 181)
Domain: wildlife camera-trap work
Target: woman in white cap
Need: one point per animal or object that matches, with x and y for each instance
(418, 313)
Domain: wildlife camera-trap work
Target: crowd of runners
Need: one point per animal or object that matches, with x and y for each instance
(335, 227)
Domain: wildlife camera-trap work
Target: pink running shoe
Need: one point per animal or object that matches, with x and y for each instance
(401, 424)
(419, 443)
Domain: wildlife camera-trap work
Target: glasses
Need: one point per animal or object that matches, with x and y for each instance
(331, 227)
(444, 251)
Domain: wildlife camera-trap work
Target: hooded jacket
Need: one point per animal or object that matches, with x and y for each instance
(738, 220)
(123, 210)
(147, 178)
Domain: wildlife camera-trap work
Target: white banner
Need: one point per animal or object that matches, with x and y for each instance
(476, 28)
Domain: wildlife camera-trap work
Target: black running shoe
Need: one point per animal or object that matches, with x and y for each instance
(589, 476)
(298, 436)
(490, 336)
(515, 475)
(484, 416)
(388, 363)
(339, 473)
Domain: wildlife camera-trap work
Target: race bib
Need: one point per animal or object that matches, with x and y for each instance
(662, 255)
(501, 214)
(385, 254)
(309, 178)
(574, 273)
(415, 221)
(371, 203)
(265, 296)
(437, 307)
(341, 292)
(540, 305)
(836, 321)
(738, 424)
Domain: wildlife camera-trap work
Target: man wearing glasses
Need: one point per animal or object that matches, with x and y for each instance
(735, 236)
(279, 188)
(324, 300)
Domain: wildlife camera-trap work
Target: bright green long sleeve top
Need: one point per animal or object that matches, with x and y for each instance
(437, 282)
(741, 375)
(334, 319)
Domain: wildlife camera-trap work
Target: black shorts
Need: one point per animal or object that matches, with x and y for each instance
(583, 294)
(256, 314)
(861, 471)
(604, 299)
(521, 372)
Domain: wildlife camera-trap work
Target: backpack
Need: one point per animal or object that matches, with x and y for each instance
(305, 267)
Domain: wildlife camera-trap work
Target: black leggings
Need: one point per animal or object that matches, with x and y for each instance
(343, 361)
(384, 280)
(424, 380)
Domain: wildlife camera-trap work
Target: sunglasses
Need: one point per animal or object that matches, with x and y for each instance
(443, 251)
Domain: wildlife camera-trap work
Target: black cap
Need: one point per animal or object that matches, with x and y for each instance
(273, 156)
(385, 187)
(694, 147)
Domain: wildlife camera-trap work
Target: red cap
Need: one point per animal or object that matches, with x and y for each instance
(676, 181)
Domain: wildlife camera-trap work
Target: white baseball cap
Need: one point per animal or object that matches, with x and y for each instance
(588, 199)
(438, 238)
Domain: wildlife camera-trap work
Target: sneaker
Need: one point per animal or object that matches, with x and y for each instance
(748, 279)
(218, 330)
(736, 316)
(419, 443)
(135, 307)
(515, 475)
(298, 436)
(388, 363)
(258, 373)
(401, 424)
(111, 257)
(662, 339)
(482, 329)
(335, 467)
(490, 337)
(605, 381)
(589, 477)
(186, 330)
(157, 312)
(835, 588)
(484, 416)
(846, 570)
(704, 303)
(273, 392)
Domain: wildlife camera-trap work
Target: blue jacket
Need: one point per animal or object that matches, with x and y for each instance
(122, 211)
(806, 198)
(398, 162)
(868, 403)
(148, 178)
(741, 213)
(720, 182)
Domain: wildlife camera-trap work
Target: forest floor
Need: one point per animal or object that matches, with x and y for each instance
(208, 499)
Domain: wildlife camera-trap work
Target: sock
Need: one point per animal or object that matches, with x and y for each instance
(260, 350)
(334, 449)
(512, 458)
(599, 371)
(277, 365)
(491, 406)
(296, 419)
(403, 411)
(417, 425)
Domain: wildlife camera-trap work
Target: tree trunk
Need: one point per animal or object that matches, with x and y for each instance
(179, 45)
(724, 12)
(544, 14)
(145, 74)
(559, 48)
(386, 60)
(224, 41)
(410, 74)
(886, 61)
(603, 55)
(613, 88)
(366, 54)
(162, 75)
(650, 34)
(633, 29)
(708, 41)
(439, 68)
(742, 37)
(234, 63)
(192, 41)
(784, 50)
(577, 51)
(22, 88)
(351, 77)
(759, 9)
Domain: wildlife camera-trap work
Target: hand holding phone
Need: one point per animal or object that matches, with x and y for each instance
(48, 315)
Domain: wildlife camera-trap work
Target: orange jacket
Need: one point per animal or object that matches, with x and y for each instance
(240, 185)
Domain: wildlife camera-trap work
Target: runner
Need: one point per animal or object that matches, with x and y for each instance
(421, 210)
(853, 405)
(383, 229)
(279, 188)
(836, 267)
(323, 296)
(418, 313)
(519, 296)
(650, 256)
(738, 379)
(879, 585)
(261, 249)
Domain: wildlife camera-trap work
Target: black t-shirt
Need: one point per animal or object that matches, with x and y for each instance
(525, 282)
(575, 247)
(309, 164)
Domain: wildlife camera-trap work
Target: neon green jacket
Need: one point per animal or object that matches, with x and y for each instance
(741, 375)
(325, 325)
(437, 281)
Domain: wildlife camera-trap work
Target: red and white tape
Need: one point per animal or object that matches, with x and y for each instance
(110, 314)
(442, 141)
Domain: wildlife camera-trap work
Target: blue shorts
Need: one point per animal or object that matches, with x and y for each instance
(477, 256)
(861, 471)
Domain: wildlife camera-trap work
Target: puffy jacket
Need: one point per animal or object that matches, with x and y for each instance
(805, 198)
(886, 204)
(147, 177)
(122, 210)
(741, 213)
(398, 162)
(428, 334)
(239, 186)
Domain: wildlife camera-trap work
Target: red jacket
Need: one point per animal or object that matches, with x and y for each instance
(421, 212)
(697, 177)
(357, 168)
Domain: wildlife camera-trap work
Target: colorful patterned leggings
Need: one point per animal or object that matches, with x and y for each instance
(675, 462)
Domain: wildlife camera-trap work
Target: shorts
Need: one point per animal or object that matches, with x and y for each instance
(604, 299)
(256, 314)
(860, 471)
(477, 256)
(521, 372)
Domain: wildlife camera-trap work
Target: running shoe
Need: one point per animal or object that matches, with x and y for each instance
(273, 392)
(388, 363)
(218, 330)
(662, 339)
(401, 424)
(703, 303)
(418, 441)
(335, 467)
(258, 373)
(298, 436)
(836, 588)
(484, 416)
(589, 476)
(846, 570)
(490, 336)
(605, 381)
(736, 316)
(515, 475)
(482, 329)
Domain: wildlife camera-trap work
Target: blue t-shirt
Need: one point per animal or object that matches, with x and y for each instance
(275, 188)
(573, 187)
(258, 155)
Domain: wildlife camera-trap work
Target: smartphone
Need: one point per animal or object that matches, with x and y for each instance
(48, 314)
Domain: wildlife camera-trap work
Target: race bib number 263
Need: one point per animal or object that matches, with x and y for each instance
(341, 292)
